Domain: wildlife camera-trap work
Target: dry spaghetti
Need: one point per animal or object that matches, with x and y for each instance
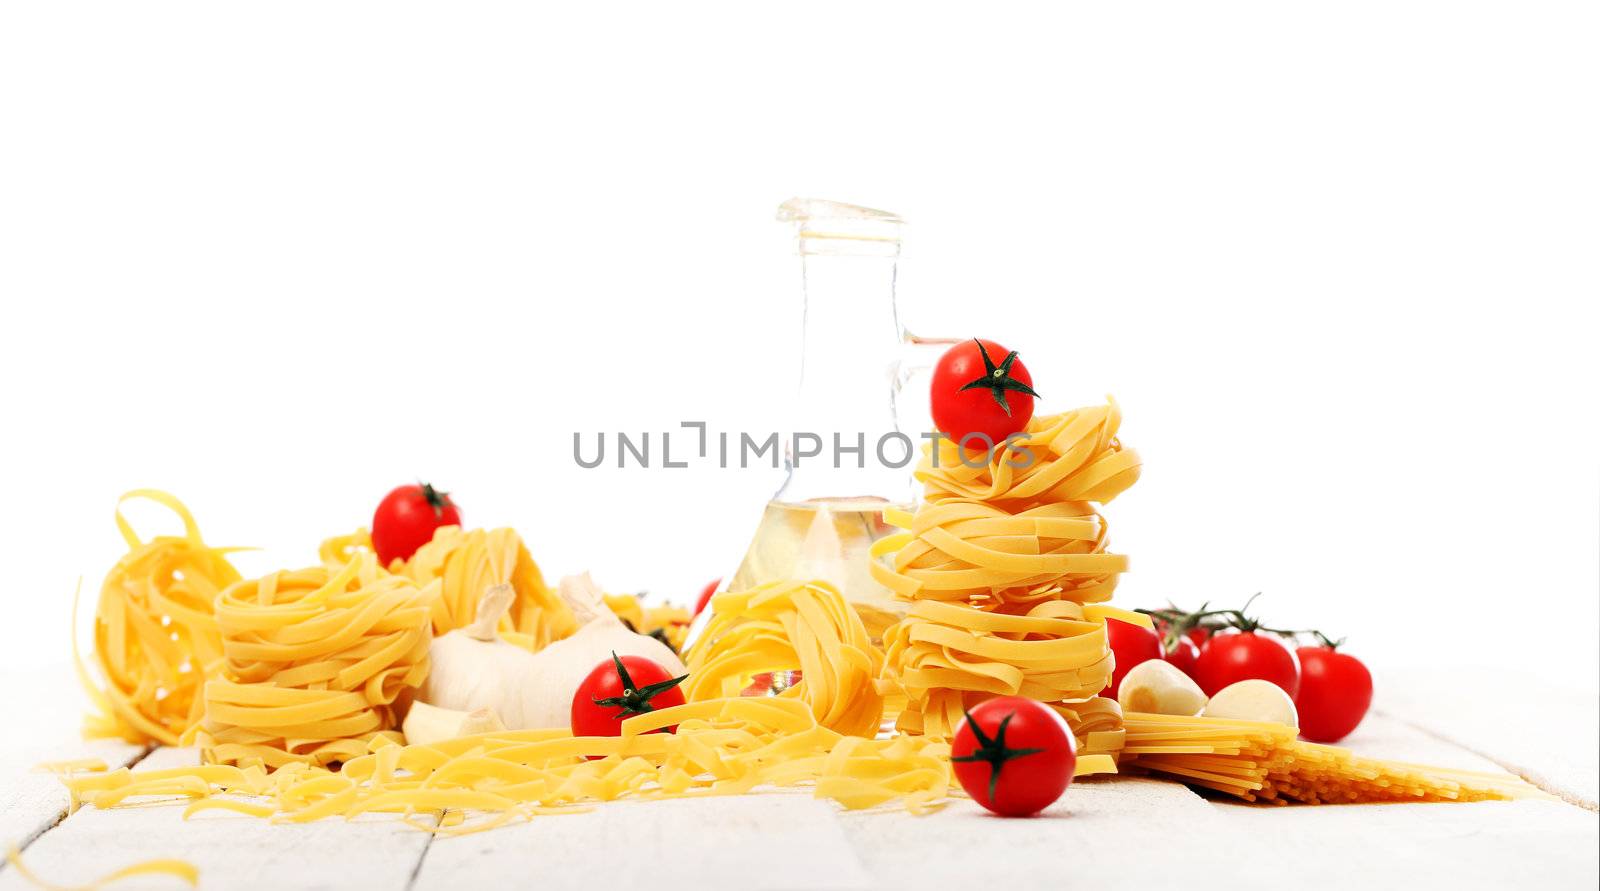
(1259, 761)
(155, 637)
(315, 661)
(782, 626)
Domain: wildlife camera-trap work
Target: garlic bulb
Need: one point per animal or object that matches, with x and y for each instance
(472, 668)
(564, 664)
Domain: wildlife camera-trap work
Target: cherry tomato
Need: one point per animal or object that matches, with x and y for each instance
(1230, 657)
(1335, 691)
(705, 596)
(621, 688)
(1198, 635)
(1130, 645)
(980, 387)
(1183, 655)
(1013, 755)
(406, 519)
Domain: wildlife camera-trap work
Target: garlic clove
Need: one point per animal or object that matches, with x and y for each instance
(1253, 700)
(427, 724)
(1160, 687)
(483, 720)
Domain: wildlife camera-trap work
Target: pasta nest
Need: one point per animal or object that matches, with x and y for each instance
(977, 553)
(315, 662)
(155, 637)
(1071, 457)
(466, 563)
(950, 657)
(1007, 572)
(783, 626)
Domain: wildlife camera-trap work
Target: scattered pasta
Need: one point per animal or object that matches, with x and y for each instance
(720, 747)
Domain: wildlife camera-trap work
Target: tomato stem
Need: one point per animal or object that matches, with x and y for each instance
(634, 701)
(994, 751)
(997, 378)
(436, 499)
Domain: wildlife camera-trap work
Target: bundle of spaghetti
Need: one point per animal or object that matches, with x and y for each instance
(315, 661)
(1007, 571)
(155, 638)
(720, 747)
(784, 626)
(465, 563)
(1265, 762)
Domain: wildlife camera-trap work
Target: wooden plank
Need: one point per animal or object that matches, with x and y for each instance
(1543, 733)
(231, 850)
(31, 800)
(762, 841)
(1103, 833)
(1538, 844)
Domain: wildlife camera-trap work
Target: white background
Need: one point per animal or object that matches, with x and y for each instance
(1337, 261)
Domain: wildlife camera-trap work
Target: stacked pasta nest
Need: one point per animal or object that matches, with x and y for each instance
(1007, 572)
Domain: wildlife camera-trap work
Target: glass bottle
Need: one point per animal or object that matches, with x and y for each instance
(847, 458)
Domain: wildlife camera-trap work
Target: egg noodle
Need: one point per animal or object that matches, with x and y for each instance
(314, 663)
(1259, 761)
(466, 563)
(720, 747)
(181, 869)
(154, 633)
(1007, 572)
(783, 626)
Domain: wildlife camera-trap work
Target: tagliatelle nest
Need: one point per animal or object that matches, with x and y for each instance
(315, 662)
(786, 626)
(154, 633)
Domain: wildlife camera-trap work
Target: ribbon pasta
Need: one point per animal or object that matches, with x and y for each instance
(315, 661)
(466, 563)
(782, 626)
(155, 637)
(720, 747)
(1007, 570)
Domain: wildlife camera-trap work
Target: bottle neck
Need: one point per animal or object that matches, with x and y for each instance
(847, 380)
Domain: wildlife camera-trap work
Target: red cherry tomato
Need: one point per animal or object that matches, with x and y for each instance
(1130, 645)
(1230, 657)
(705, 596)
(1183, 655)
(406, 519)
(998, 397)
(1335, 691)
(1198, 635)
(621, 688)
(1013, 755)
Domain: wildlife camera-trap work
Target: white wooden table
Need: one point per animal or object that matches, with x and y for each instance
(1103, 834)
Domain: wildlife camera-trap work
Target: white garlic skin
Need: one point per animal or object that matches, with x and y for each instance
(1254, 700)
